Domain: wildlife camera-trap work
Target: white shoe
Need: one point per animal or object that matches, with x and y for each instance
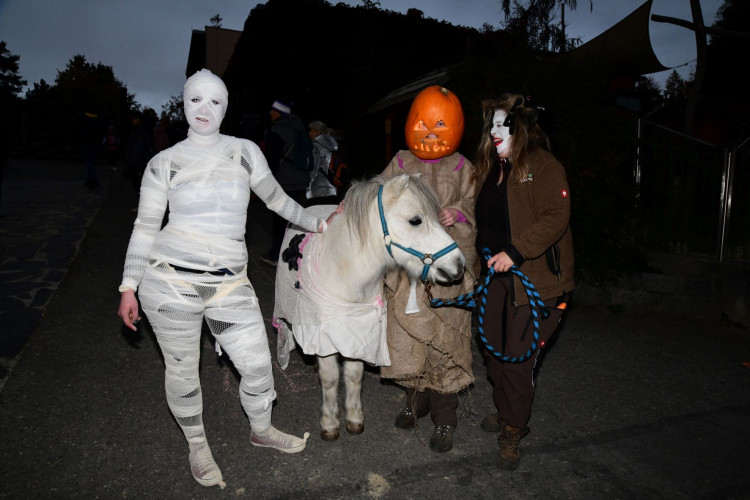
(203, 466)
(274, 438)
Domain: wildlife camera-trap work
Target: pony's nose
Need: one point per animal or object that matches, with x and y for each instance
(453, 272)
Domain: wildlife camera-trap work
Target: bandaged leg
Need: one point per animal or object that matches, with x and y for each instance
(234, 317)
(175, 314)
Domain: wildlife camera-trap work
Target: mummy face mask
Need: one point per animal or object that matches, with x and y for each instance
(205, 100)
(500, 134)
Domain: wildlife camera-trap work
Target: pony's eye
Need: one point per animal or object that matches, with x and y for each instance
(415, 221)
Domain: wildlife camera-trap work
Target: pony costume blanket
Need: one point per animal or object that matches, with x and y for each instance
(319, 322)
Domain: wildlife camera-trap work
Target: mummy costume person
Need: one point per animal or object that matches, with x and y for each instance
(196, 267)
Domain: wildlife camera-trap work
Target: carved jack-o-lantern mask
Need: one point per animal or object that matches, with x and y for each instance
(435, 124)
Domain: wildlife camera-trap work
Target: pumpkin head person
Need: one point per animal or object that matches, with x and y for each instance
(430, 349)
(435, 124)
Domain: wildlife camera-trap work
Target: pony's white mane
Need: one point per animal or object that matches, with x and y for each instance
(362, 193)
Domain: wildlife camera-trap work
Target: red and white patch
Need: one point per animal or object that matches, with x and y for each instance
(564, 193)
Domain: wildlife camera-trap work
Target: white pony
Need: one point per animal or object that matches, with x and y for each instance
(329, 285)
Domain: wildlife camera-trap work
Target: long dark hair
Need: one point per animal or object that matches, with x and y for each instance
(526, 136)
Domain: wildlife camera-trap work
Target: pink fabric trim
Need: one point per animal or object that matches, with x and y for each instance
(460, 217)
(304, 242)
(460, 166)
(302, 246)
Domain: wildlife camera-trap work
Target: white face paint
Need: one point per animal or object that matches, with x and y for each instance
(205, 105)
(500, 134)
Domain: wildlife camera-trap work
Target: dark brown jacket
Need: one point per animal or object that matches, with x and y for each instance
(541, 241)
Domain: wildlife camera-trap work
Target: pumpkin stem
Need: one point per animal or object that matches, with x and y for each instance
(444, 90)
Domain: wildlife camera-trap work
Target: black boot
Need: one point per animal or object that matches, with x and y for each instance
(407, 418)
(442, 438)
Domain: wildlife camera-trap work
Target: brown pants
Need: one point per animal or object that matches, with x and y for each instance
(510, 331)
(442, 407)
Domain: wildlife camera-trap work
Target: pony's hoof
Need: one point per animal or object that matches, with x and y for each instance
(353, 428)
(330, 435)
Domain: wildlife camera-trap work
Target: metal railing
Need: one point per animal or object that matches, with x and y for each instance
(693, 197)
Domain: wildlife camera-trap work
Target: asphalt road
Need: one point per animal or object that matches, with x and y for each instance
(627, 406)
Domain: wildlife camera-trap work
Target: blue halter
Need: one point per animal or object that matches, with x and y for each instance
(426, 258)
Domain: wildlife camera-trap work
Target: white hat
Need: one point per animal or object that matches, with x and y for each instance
(281, 107)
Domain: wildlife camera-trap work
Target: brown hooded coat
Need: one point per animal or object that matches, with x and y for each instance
(431, 349)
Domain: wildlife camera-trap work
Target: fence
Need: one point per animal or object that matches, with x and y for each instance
(693, 197)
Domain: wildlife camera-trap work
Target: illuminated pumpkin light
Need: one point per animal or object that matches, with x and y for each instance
(435, 124)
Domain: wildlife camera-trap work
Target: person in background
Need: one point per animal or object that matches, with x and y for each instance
(321, 191)
(90, 134)
(195, 268)
(286, 140)
(138, 150)
(523, 215)
(112, 146)
(161, 138)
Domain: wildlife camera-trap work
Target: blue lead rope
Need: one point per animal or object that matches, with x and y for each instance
(470, 300)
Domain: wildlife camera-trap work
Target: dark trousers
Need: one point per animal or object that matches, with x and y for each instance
(278, 227)
(510, 330)
(442, 407)
(323, 200)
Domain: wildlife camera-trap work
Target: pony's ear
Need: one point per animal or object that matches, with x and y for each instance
(400, 183)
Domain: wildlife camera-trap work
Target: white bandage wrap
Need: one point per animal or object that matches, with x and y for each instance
(206, 181)
(176, 304)
(207, 191)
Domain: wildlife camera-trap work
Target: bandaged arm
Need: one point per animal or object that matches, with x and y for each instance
(264, 184)
(152, 206)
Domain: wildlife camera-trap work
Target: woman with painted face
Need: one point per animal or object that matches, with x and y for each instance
(522, 213)
(195, 267)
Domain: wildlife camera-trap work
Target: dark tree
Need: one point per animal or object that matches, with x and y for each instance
(11, 83)
(675, 87)
(728, 49)
(41, 91)
(173, 109)
(53, 112)
(536, 19)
